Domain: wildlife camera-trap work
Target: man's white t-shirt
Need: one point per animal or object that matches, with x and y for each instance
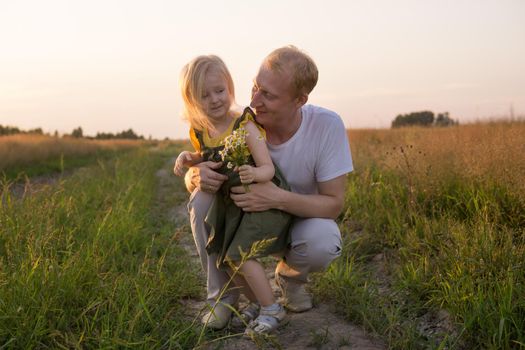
(319, 151)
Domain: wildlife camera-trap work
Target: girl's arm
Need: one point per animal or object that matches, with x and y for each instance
(186, 159)
(264, 169)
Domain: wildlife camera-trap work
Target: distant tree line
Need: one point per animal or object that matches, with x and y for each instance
(423, 118)
(11, 130)
(126, 134)
(76, 133)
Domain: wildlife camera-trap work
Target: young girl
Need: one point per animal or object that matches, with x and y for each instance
(208, 94)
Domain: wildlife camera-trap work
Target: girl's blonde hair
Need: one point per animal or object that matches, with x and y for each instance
(191, 82)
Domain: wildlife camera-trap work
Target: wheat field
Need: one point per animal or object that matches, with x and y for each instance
(477, 152)
(24, 149)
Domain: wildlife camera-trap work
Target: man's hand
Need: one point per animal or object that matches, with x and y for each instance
(327, 203)
(204, 177)
(262, 196)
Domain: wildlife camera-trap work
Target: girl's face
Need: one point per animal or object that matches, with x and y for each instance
(216, 98)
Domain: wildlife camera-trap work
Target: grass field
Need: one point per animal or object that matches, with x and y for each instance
(92, 262)
(433, 258)
(33, 155)
(434, 228)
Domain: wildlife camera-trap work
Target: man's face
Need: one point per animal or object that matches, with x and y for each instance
(273, 98)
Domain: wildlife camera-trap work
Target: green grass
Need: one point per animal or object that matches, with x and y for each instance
(93, 262)
(458, 246)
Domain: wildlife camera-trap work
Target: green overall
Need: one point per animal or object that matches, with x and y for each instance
(234, 232)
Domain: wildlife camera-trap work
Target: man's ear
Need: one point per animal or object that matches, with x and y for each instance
(301, 100)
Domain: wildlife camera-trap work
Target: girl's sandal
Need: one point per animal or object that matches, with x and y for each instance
(265, 323)
(245, 316)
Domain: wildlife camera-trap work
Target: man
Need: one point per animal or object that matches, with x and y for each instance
(310, 146)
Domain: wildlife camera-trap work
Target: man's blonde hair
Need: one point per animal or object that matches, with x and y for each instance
(290, 59)
(192, 78)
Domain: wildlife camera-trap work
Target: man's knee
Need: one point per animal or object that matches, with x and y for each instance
(315, 241)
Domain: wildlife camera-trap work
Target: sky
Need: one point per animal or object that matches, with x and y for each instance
(108, 65)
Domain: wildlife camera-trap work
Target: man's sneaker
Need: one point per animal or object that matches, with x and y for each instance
(245, 316)
(266, 322)
(218, 316)
(294, 295)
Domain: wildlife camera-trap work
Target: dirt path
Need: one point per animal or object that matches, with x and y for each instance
(30, 186)
(319, 328)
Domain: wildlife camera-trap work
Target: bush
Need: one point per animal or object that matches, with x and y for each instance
(423, 118)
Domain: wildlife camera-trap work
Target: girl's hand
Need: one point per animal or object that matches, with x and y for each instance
(246, 173)
(183, 159)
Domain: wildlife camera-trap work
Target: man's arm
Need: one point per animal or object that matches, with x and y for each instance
(327, 204)
(203, 176)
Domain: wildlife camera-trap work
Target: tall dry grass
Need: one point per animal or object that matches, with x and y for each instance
(24, 149)
(493, 152)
